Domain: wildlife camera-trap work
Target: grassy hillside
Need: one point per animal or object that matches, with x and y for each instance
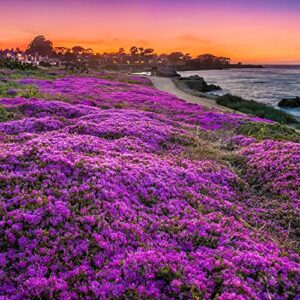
(111, 189)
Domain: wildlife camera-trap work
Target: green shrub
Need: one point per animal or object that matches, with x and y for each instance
(255, 108)
(13, 64)
(7, 87)
(30, 92)
(38, 74)
(11, 89)
(263, 131)
(3, 114)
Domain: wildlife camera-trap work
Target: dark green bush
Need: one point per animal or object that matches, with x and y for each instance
(255, 108)
(13, 64)
(263, 131)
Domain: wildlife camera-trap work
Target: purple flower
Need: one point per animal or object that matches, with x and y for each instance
(99, 200)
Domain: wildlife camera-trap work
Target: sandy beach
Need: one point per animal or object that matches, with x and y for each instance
(166, 85)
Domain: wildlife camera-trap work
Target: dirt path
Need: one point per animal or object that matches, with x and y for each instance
(166, 85)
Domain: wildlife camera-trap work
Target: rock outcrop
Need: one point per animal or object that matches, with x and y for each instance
(164, 72)
(198, 83)
(290, 102)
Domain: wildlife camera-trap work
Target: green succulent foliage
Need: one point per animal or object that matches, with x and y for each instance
(255, 108)
(272, 131)
(11, 89)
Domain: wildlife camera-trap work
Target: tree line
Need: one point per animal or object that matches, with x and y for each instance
(136, 56)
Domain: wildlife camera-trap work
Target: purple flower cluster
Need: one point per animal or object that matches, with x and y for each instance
(273, 169)
(155, 131)
(97, 200)
(107, 94)
(275, 166)
(242, 141)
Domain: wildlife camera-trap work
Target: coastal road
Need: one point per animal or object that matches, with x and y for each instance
(166, 85)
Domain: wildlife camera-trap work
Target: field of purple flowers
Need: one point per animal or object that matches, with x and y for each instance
(110, 189)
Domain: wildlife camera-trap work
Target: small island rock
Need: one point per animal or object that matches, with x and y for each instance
(290, 102)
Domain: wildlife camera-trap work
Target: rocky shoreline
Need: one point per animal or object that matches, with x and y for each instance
(185, 88)
(290, 102)
(198, 84)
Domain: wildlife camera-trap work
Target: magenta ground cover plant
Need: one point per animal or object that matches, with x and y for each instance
(274, 166)
(97, 200)
(273, 169)
(113, 94)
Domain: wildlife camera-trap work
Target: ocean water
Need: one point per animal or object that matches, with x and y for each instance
(268, 85)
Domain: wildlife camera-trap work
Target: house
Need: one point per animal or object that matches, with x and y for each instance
(21, 56)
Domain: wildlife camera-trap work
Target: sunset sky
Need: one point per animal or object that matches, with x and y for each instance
(254, 31)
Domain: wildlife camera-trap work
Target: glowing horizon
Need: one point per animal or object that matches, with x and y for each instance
(252, 32)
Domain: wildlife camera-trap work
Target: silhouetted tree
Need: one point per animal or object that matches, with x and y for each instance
(79, 57)
(122, 56)
(175, 57)
(148, 55)
(141, 54)
(209, 60)
(134, 51)
(224, 60)
(41, 46)
(187, 57)
(78, 50)
(60, 51)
